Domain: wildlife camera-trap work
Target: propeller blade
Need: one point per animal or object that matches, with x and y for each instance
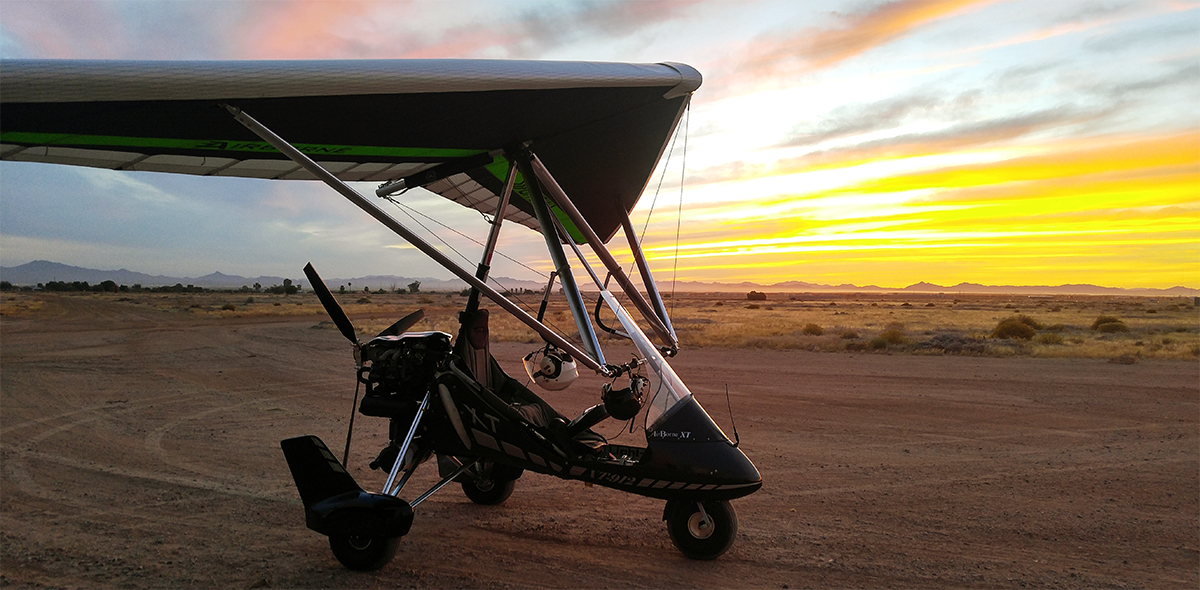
(403, 324)
(331, 305)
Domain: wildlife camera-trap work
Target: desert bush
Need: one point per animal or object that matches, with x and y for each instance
(1049, 338)
(813, 330)
(1108, 323)
(890, 336)
(1010, 328)
(1028, 321)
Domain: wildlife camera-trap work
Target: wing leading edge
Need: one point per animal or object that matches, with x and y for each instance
(599, 127)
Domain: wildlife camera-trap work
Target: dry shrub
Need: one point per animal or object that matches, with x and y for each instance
(1049, 338)
(889, 336)
(1010, 328)
(813, 330)
(1108, 323)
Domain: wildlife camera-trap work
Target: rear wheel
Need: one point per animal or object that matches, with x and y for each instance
(363, 553)
(701, 534)
(489, 484)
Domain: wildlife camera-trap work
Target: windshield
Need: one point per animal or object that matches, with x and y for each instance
(670, 389)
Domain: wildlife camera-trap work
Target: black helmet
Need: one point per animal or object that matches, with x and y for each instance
(622, 404)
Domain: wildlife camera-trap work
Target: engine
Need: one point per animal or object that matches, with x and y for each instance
(397, 370)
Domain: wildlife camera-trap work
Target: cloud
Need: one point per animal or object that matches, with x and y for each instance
(966, 135)
(785, 56)
(372, 29)
(1184, 29)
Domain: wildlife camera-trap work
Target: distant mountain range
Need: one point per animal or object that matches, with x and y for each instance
(923, 287)
(42, 271)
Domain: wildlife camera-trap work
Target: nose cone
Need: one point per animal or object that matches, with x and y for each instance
(688, 442)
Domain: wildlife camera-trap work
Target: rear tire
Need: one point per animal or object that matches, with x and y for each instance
(483, 486)
(696, 537)
(364, 554)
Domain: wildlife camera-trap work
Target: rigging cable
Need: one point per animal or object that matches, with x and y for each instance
(679, 213)
(407, 210)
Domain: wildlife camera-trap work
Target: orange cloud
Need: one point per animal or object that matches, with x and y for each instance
(779, 60)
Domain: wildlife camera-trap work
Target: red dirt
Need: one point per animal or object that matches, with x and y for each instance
(140, 448)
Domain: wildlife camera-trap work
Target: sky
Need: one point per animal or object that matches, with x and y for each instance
(852, 142)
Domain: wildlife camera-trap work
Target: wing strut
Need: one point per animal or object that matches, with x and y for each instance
(554, 245)
(485, 262)
(564, 202)
(647, 278)
(353, 196)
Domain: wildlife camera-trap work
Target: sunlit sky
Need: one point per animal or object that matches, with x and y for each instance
(856, 142)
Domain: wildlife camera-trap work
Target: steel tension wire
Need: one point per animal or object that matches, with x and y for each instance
(409, 211)
(679, 215)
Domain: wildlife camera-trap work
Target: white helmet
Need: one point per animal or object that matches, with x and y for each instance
(553, 370)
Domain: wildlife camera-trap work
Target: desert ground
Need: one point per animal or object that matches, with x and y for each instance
(139, 440)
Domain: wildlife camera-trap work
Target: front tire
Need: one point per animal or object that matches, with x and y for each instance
(698, 537)
(364, 554)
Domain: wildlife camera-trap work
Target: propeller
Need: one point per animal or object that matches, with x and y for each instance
(403, 324)
(343, 322)
(331, 305)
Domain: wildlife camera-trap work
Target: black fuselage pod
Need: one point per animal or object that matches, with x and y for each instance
(686, 457)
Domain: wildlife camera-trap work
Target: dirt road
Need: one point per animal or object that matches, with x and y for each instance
(140, 448)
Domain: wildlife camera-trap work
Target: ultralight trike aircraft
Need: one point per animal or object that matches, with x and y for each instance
(564, 148)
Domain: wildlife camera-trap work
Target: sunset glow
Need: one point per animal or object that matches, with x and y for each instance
(884, 143)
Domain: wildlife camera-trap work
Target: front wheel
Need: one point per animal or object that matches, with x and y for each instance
(363, 554)
(701, 534)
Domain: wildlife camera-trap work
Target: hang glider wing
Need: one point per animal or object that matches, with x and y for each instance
(443, 124)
